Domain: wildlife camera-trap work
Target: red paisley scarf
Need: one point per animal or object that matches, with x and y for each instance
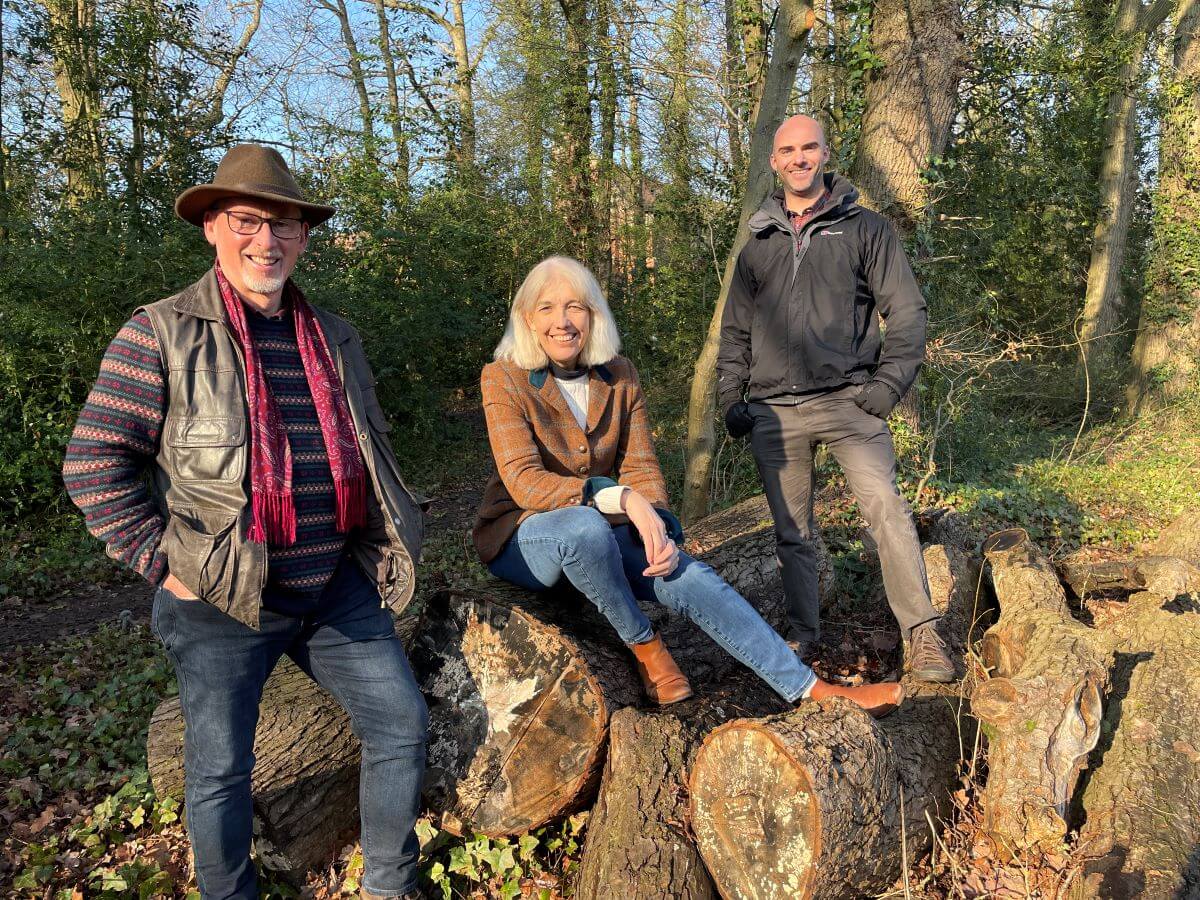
(272, 505)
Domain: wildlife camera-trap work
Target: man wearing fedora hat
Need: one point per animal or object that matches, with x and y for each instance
(273, 521)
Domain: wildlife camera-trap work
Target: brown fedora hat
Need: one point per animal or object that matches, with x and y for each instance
(249, 170)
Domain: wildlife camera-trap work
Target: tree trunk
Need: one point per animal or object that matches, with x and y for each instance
(794, 19)
(575, 100)
(637, 843)
(1142, 799)
(823, 802)
(1104, 306)
(464, 86)
(395, 112)
(1164, 354)
(305, 780)
(1121, 699)
(354, 61)
(910, 104)
(74, 46)
(1041, 707)
(606, 77)
(731, 86)
(822, 76)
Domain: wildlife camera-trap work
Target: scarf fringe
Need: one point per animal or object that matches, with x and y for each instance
(351, 496)
(274, 520)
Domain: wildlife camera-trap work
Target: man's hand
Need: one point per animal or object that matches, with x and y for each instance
(878, 399)
(738, 421)
(661, 552)
(176, 587)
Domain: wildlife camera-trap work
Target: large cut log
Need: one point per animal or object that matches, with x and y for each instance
(521, 686)
(305, 779)
(638, 846)
(1123, 698)
(823, 802)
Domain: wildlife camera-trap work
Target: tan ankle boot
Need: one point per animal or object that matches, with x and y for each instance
(878, 700)
(661, 678)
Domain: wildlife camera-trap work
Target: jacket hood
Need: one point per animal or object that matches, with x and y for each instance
(842, 197)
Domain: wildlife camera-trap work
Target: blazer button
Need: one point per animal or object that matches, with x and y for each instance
(582, 449)
(582, 469)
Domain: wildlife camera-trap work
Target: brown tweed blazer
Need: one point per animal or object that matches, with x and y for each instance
(543, 459)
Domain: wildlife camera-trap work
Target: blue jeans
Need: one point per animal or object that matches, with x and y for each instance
(349, 648)
(605, 564)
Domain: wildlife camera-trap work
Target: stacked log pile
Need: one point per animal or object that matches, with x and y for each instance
(533, 699)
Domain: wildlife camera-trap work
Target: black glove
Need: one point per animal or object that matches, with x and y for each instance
(738, 421)
(877, 398)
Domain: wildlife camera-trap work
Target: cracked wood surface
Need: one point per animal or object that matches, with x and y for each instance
(638, 845)
(1094, 728)
(812, 803)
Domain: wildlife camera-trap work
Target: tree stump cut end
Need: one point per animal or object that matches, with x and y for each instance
(758, 824)
(517, 719)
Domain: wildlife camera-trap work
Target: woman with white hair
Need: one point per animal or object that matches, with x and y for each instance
(577, 493)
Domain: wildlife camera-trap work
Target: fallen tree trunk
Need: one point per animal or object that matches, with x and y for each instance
(638, 846)
(305, 779)
(1124, 699)
(823, 802)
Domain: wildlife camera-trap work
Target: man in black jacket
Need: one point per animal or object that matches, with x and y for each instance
(802, 363)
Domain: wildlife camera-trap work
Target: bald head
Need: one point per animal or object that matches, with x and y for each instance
(798, 130)
(798, 157)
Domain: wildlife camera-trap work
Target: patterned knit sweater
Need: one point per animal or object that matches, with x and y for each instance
(117, 437)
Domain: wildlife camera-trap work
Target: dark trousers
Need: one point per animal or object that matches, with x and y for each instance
(784, 439)
(350, 649)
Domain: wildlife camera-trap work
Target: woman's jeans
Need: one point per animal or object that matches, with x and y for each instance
(350, 649)
(605, 564)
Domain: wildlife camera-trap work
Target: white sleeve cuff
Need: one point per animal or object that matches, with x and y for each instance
(608, 500)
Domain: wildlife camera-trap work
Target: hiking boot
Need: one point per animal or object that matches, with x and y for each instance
(925, 657)
(661, 678)
(807, 648)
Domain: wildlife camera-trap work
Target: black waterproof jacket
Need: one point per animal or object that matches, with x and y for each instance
(800, 315)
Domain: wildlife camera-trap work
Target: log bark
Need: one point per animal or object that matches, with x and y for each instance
(1181, 538)
(1041, 707)
(1122, 699)
(1142, 799)
(823, 802)
(305, 779)
(638, 846)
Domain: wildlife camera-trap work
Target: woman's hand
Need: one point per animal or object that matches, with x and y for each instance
(661, 552)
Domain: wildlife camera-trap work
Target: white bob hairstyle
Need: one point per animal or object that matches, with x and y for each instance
(520, 345)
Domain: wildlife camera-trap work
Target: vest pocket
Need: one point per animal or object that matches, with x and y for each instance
(198, 545)
(206, 448)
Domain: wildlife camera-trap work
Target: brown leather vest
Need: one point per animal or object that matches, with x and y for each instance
(201, 472)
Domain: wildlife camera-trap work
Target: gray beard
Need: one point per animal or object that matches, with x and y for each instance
(263, 285)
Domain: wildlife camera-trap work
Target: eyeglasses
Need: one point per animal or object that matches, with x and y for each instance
(249, 223)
